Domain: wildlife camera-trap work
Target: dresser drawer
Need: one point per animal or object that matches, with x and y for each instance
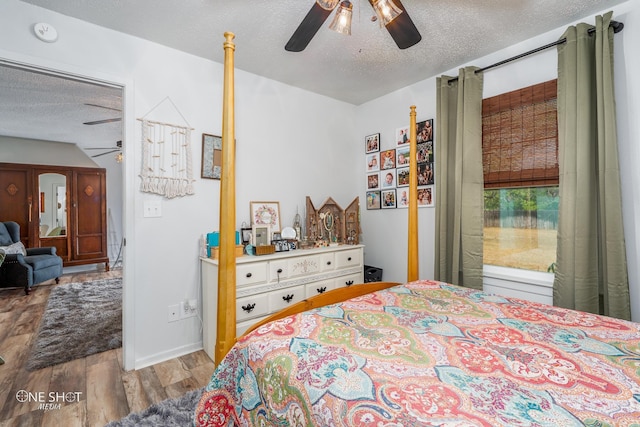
(247, 274)
(241, 327)
(317, 288)
(327, 262)
(250, 307)
(351, 279)
(278, 270)
(285, 297)
(349, 258)
(304, 265)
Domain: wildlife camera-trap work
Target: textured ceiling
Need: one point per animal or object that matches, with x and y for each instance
(354, 69)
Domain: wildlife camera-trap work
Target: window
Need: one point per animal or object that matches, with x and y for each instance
(520, 161)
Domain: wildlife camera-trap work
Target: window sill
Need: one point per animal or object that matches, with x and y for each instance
(530, 285)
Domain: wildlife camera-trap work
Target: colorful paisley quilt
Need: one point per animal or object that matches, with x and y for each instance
(430, 354)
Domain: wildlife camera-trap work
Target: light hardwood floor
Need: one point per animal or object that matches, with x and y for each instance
(101, 391)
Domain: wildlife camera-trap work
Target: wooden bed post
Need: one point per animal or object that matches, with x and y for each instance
(226, 333)
(412, 252)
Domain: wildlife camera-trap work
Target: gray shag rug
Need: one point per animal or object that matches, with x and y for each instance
(178, 412)
(80, 319)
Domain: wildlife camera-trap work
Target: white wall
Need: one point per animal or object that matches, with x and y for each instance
(289, 144)
(385, 230)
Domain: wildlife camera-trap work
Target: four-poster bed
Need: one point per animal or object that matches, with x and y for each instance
(421, 353)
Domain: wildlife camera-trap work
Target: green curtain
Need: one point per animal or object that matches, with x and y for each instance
(591, 271)
(459, 180)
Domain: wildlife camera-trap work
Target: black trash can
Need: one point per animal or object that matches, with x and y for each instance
(372, 274)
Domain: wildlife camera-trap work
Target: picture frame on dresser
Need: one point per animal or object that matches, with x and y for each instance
(261, 235)
(266, 213)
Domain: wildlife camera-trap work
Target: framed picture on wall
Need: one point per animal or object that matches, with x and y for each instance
(425, 196)
(373, 200)
(388, 159)
(424, 131)
(388, 199)
(373, 162)
(402, 135)
(211, 156)
(373, 181)
(372, 143)
(403, 197)
(388, 178)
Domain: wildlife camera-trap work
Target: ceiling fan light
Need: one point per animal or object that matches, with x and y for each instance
(119, 157)
(342, 20)
(386, 10)
(327, 4)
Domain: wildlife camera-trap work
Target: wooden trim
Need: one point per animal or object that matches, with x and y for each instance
(330, 297)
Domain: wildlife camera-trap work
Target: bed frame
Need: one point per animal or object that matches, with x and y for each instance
(226, 325)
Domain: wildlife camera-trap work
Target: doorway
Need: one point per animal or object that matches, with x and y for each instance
(42, 105)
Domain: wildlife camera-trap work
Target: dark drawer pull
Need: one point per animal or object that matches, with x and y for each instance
(349, 259)
(328, 262)
(279, 271)
(348, 282)
(249, 307)
(321, 290)
(288, 298)
(249, 275)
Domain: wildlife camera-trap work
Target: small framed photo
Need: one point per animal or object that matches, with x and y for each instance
(424, 131)
(388, 178)
(402, 179)
(373, 200)
(246, 233)
(388, 199)
(402, 156)
(388, 159)
(403, 197)
(372, 143)
(211, 156)
(373, 162)
(265, 213)
(261, 235)
(373, 181)
(402, 136)
(425, 173)
(425, 196)
(425, 152)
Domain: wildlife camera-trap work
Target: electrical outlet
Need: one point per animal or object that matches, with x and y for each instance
(174, 313)
(188, 308)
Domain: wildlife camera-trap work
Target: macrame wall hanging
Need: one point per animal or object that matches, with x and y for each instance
(166, 157)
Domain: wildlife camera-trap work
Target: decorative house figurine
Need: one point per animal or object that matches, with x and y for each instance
(330, 224)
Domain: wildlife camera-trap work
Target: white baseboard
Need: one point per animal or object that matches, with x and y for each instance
(167, 355)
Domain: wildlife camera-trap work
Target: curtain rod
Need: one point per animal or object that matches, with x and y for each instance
(616, 25)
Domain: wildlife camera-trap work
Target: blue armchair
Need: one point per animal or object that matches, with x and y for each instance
(19, 270)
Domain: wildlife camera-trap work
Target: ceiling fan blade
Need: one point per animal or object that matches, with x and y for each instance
(100, 122)
(402, 29)
(103, 106)
(307, 28)
(104, 154)
(101, 148)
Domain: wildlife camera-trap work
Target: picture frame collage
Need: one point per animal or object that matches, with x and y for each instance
(387, 171)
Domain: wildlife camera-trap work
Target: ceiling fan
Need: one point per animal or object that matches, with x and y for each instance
(117, 148)
(391, 13)
(103, 121)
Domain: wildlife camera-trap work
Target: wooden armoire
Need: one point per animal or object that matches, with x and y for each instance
(59, 206)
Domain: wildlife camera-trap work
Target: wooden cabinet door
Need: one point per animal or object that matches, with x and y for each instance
(89, 209)
(16, 199)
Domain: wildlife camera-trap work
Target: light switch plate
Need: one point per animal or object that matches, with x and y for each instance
(152, 209)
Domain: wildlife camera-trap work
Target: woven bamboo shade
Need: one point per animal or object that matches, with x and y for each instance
(520, 137)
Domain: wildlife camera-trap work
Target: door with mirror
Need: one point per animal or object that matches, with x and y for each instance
(53, 211)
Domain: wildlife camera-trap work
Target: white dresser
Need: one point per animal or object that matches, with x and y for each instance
(268, 283)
